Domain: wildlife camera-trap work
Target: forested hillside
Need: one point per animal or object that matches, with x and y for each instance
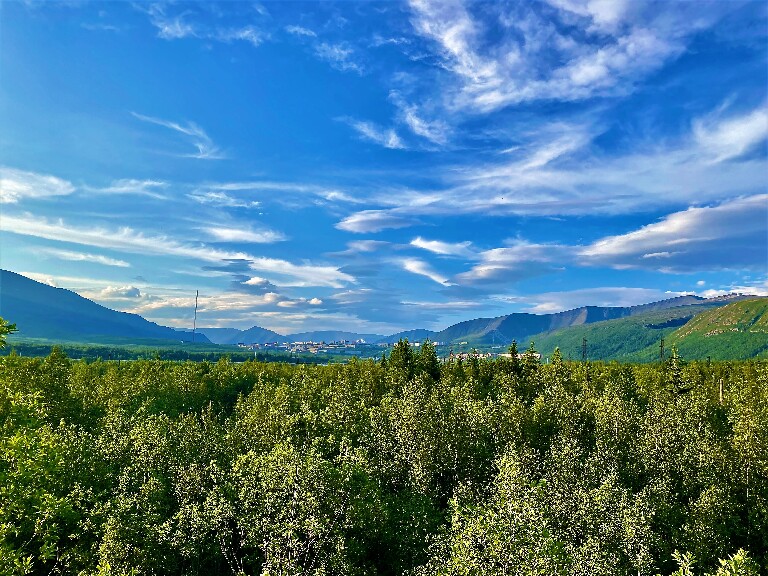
(42, 311)
(407, 466)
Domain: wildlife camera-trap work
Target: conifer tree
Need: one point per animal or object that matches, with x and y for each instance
(427, 360)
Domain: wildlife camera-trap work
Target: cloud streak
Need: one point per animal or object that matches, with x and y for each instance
(206, 149)
(224, 234)
(18, 185)
(128, 240)
(731, 235)
(422, 268)
(564, 175)
(519, 67)
(387, 138)
(73, 256)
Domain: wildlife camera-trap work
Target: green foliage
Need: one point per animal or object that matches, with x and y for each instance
(409, 466)
(738, 330)
(5, 329)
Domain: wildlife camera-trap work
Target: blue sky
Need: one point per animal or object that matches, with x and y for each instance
(379, 166)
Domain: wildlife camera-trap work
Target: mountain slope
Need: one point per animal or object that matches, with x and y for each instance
(716, 328)
(417, 335)
(521, 326)
(42, 311)
(616, 339)
(737, 330)
(220, 335)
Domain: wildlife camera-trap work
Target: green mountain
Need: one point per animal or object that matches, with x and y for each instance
(736, 331)
(42, 311)
(484, 332)
(718, 328)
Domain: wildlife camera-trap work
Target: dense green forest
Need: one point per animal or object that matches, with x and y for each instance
(153, 350)
(402, 466)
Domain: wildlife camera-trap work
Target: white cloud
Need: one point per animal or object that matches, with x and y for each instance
(223, 234)
(723, 139)
(365, 245)
(611, 296)
(82, 257)
(533, 59)
(605, 14)
(128, 240)
(560, 173)
(756, 288)
(416, 266)
(114, 292)
(435, 130)
(178, 26)
(512, 263)
(384, 137)
(730, 235)
(247, 33)
(340, 56)
(300, 31)
(132, 186)
(216, 192)
(16, 185)
(222, 199)
(173, 28)
(451, 305)
(206, 149)
(461, 249)
(373, 221)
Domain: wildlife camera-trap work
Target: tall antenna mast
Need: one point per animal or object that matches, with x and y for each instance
(194, 322)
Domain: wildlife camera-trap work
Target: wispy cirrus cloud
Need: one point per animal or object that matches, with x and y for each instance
(597, 48)
(374, 221)
(386, 137)
(722, 139)
(300, 31)
(517, 261)
(460, 249)
(223, 199)
(283, 272)
(730, 235)
(206, 149)
(435, 130)
(341, 56)
(247, 235)
(177, 26)
(17, 185)
(149, 188)
(82, 257)
(561, 172)
(422, 268)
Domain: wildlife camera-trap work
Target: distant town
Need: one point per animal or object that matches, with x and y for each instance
(361, 348)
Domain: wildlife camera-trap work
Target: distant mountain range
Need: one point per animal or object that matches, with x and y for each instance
(481, 332)
(42, 311)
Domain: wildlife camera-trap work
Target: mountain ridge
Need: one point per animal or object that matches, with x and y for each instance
(44, 311)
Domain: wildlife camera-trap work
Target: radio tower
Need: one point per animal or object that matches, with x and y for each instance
(583, 349)
(194, 322)
(661, 351)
